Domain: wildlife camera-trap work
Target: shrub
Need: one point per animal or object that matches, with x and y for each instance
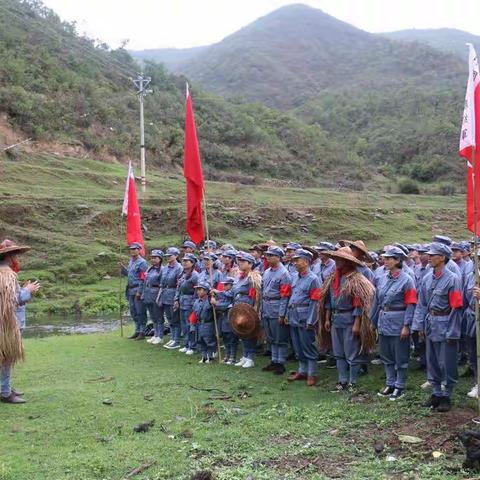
(408, 186)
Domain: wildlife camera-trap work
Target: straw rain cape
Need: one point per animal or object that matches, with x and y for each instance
(356, 285)
(11, 346)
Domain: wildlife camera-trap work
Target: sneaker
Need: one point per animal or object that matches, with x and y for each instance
(202, 360)
(386, 392)
(473, 393)
(189, 352)
(444, 405)
(331, 362)
(214, 355)
(168, 344)
(140, 336)
(270, 367)
(426, 386)
(183, 350)
(248, 364)
(397, 394)
(12, 398)
(296, 376)
(208, 360)
(151, 339)
(241, 362)
(376, 361)
(311, 380)
(232, 361)
(340, 387)
(279, 369)
(156, 341)
(174, 346)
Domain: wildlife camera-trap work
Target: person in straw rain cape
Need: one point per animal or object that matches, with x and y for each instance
(347, 298)
(12, 316)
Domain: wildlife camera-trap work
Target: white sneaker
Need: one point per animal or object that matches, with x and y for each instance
(157, 341)
(426, 386)
(208, 360)
(241, 362)
(174, 346)
(189, 352)
(376, 361)
(183, 350)
(214, 355)
(248, 364)
(168, 344)
(202, 360)
(150, 339)
(473, 393)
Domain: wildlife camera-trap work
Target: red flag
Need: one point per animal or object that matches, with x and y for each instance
(132, 210)
(192, 171)
(470, 138)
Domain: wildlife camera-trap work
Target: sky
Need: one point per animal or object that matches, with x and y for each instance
(189, 23)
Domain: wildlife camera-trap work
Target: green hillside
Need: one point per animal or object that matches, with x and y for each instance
(56, 86)
(446, 39)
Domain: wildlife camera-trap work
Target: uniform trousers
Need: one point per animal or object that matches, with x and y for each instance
(305, 348)
(442, 366)
(278, 337)
(346, 349)
(394, 354)
(138, 313)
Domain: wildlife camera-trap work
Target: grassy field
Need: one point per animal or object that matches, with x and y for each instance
(233, 422)
(68, 209)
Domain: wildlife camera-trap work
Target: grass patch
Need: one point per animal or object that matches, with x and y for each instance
(221, 419)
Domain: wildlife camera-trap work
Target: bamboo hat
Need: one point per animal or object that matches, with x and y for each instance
(344, 253)
(7, 246)
(360, 245)
(245, 321)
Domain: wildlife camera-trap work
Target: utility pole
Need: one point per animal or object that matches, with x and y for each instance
(141, 83)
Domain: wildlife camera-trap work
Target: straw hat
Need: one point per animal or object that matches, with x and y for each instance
(7, 246)
(244, 321)
(360, 245)
(344, 253)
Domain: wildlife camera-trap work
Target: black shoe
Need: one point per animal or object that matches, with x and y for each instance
(279, 369)
(134, 336)
(331, 362)
(267, 353)
(468, 373)
(432, 402)
(270, 367)
(445, 405)
(397, 394)
(291, 357)
(140, 336)
(340, 387)
(386, 392)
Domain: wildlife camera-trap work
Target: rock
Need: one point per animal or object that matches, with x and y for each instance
(379, 446)
(102, 254)
(409, 439)
(143, 427)
(83, 206)
(436, 455)
(107, 401)
(107, 277)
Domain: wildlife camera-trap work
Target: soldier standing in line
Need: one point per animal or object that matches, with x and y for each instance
(151, 287)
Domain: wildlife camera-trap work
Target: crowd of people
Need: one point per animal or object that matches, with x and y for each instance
(336, 303)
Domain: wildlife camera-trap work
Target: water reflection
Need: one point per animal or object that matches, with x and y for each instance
(38, 326)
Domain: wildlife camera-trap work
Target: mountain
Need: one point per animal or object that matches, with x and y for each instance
(69, 94)
(448, 40)
(170, 57)
(296, 52)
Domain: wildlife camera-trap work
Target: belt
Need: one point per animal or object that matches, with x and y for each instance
(342, 310)
(393, 309)
(440, 313)
(294, 305)
(207, 321)
(272, 298)
(153, 286)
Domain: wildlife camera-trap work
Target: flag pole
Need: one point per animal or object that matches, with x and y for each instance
(217, 333)
(477, 272)
(120, 283)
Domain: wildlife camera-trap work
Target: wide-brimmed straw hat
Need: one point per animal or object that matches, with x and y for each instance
(344, 253)
(244, 321)
(360, 245)
(7, 246)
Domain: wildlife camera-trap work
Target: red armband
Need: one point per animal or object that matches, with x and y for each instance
(315, 293)
(252, 294)
(410, 296)
(193, 319)
(142, 276)
(285, 290)
(220, 287)
(356, 303)
(455, 299)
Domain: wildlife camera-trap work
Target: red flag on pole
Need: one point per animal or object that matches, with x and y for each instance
(132, 211)
(470, 138)
(192, 171)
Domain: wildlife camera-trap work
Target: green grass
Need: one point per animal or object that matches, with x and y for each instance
(69, 211)
(268, 428)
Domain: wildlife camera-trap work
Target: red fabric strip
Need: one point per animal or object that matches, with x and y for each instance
(193, 319)
(315, 293)
(336, 283)
(252, 293)
(285, 290)
(455, 299)
(220, 287)
(356, 303)
(410, 296)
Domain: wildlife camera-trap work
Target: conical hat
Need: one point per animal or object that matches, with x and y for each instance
(344, 253)
(7, 246)
(360, 245)
(244, 321)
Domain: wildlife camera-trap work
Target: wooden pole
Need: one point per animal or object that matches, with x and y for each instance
(120, 282)
(475, 258)
(217, 333)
